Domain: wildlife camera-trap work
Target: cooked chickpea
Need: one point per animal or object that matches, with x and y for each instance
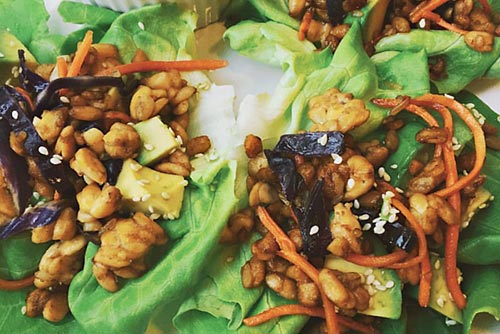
(142, 105)
(50, 124)
(253, 273)
(122, 141)
(85, 163)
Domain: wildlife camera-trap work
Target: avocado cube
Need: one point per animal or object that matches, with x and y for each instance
(153, 193)
(157, 140)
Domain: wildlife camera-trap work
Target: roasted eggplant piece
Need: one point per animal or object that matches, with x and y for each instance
(312, 144)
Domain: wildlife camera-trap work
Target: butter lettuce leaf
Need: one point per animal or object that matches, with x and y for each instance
(458, 56)
(205, 211)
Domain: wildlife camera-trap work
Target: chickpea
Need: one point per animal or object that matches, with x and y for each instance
(265, 249)
(51, 123)
(253, 273)
(142, 105)
(282, 285)
(94, 140)
(66, 143)
(122, 141)
(362, 176)
(85, 163)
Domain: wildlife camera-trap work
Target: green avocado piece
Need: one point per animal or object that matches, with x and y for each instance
(9, 45)
(153, 193)
(440, 295)
(158, 140)
(383, 285)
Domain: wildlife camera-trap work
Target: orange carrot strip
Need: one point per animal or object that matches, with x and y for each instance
(441, 22)
(477, 133)
(377, 261)
(158, 65)
(298, 309)
(424, 7)
(304, 24)
(62, 67)
(279, 311)
(281, 237)
(26, 96)
(289, 252)
(80, 54)
(425, 264)
(408, 263)
(452, 231)
(16, 284)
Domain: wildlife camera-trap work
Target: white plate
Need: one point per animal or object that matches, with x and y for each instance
(251, 77)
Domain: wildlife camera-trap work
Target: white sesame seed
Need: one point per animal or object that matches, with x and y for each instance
(421, 23)
(184, 183)
(43, 150)
(350, 184)
(15, 114)
(314, 229)
(470, 105)
(154, 216)
(465, 223)
(136, 199)
(387, 177)
(498, 119)
(145, 181)
(389, 284)
(399, 190)
(178, 139)
(481, 120)
(151, 209)
(371, 291)
(379, 230)
(23, 309)
(440, 301)
(370, 279)
(456, 147)
(394, 166)
(356, 204)
(198, 155)
(55, 161)
(145, 197)
(337, 159)
(170, 216)
(323, 140)
(148, 147)
(381, 172)
(135, 167)
(450, 322)
(454, 140)
(367, 227)
(364, 217)
(165, 195)
(449, 96)
(141, 25)
(380, 287)
(64, 99)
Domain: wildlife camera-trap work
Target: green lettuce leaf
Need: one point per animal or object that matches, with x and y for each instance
(168, 38)
(275, 10)
(482, 287)
(206, 209)
(451, 46)
(426, 320)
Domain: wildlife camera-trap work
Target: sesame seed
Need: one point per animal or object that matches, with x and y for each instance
(165, 195)
(151, 209)
(369, 271)
(136, 199)
(43, 150)
(23, 309)
(178, 139)
(350, 184)
(389, 284)
(145, 197)
(379, 230)
(154, 216)
(440, 301)
(394, 166)
(370, 279)
(55, 160)
(399, 190)
(437, 264)
(337, 159)
(357, 13)
(198, 155)
(141, 25)
(135, 167)
(449, 96)
(371, 291)
(470, 105)
(64, 99)
(387, 177)
(170, 216)
(481, 120)
(381, 172)
(145, 181)
(323, 140)
(314, 229)
(367, 227)
(148, 147)
(364, 217)
(450, 322)
(421, 23)
(454, 140)
(356, 204)
(465, 224)
(380, 287)
(15, 114)
(184, 183)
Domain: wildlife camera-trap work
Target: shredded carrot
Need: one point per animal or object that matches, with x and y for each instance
(298, 309)
(289, 252)
(425, 265)
(425, 7)
(304, 25)
(62, 67)
(377, 261)
(441, 22)
(16, 284)
(80, 54)
(158, 65)
(279, 311)
(486, 7)
(477, 133)
(452, 231)
(426, 116)
(26, 96)
(384, 187)
(408, 263)
(111, 117)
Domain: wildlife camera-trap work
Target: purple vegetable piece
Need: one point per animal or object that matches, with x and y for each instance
(312, 144)
(51, 166)
(314, 222)
(49, 97)
(30, 81)
(335, 11)
(33, 217)
(14, 170)
(290, 180)
(113, 168)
